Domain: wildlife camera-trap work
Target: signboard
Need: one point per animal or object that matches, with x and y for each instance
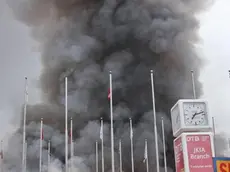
(179, 159)
(199, 152)
(221, 164)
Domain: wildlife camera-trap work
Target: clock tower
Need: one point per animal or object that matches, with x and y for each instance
(192, 127)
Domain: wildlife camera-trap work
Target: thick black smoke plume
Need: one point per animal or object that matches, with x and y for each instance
(87, 38)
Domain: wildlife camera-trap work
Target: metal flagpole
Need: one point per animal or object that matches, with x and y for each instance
(25, 156)
(163, 137)
(66, 125)
(96, 156)
(146, 155)
(193, 85)
(120, 152)
(131, 142)
(214, 133)
(111, 120)
(155, 124)
(41, 140)
(228, 143)
(102, 146)
(24, 125)
(71, 143)
(1, 156)
(49, 156)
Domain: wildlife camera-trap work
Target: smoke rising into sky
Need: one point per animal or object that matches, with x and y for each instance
(89, 39)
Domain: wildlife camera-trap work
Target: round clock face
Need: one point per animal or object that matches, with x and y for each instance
(195, 114)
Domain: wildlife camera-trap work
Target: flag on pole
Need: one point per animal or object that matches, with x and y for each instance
(109, 93)
(145, 154)
(42, 134)
(131, 129)
(41, 130)
(70, 136)
(101, 130)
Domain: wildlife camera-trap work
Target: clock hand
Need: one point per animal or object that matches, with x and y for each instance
(195, 114)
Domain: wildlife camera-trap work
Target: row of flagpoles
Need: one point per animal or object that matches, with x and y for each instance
(110, 96)
(49, 151)
(131, 147)
(24, 145)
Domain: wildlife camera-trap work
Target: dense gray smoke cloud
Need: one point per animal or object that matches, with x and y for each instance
(86, 39)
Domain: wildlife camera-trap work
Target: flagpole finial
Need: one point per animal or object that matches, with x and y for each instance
(101, 118)
(191, 71)
(151, 71)
(110, 72)
(145, 139)
(162, 118)
(71, 118)
(25, 78)
(41, 118)
(130, 118)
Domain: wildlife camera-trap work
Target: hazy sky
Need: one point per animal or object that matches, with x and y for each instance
(215, 47)
(16, 45)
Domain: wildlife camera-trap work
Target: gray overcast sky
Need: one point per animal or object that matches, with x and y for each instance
(18, 60)
(215, 46)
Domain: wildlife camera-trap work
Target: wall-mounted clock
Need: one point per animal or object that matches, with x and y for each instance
(193, 116)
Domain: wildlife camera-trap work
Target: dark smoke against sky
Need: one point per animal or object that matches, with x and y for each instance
(90, 38)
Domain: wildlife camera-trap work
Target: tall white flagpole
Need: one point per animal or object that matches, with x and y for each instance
(71, 143)
(66, 125)
(146, 158)
(120, 153)
(111, 120)
(164, 148)
(102, 146)
(97, 156)
(40, 150)
(155, 124)
(49, 156)
(214, 133)
(24, 124)
(26, 156)
(131, 143)
(193, 85)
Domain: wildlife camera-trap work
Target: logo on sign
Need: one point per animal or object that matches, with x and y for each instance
(197, 138)
(221, 164)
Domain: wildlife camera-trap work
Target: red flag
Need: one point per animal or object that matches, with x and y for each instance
(109, 94)
(70, 136)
